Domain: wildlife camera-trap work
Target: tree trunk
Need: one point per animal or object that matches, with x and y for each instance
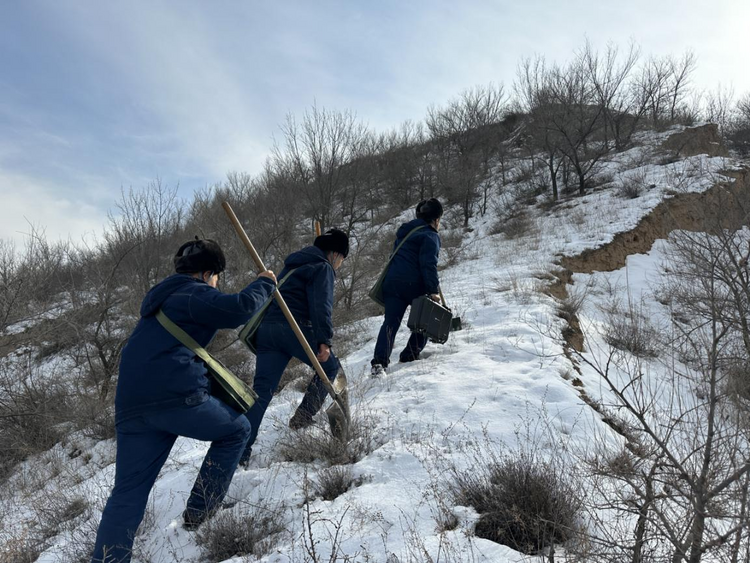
(553, 176)
(467, 208)
(640, 529)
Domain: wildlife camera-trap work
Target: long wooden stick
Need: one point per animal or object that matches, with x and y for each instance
(287, 313)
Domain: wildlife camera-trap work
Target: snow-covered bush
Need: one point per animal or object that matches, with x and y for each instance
(240, 530)
(31, 410)
(333, 482)
(318, 444)
(524, 502)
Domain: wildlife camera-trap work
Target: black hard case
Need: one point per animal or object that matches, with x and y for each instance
(430, 318)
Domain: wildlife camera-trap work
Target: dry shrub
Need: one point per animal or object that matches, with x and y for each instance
(80, 544)
(32, 407)
(630, 331)
(94, 417)
(515, 227)
(570, 306)
(629, 190)
(23, 549)
(317, 443)
(58, 513)
(451, 247)
(243, 529)
(633, 183)
(600, 179)
(525, 503)
(333, 482)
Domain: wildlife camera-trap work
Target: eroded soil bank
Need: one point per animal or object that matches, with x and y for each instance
(725, 206)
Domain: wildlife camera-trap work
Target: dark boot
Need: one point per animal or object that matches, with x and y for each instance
(192, 521)
(300, 420)
(406, 357)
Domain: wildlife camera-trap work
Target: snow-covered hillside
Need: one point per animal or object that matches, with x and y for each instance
(503, 384)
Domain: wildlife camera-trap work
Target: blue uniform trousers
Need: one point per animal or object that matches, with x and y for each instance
(143, 444)
(276, 344)
(397, 296)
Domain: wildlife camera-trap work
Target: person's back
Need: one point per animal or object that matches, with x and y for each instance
(412, 272)
(308, 292)
(156, 369)
(417, 258)
(163, 393)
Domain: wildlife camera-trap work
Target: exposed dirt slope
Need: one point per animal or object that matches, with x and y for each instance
(696, 140)
(725, 204)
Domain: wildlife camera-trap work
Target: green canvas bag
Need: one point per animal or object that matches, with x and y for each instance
(249, 331)
(229, 388)
(376, 293)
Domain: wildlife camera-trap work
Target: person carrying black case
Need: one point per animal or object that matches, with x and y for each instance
(412, 272)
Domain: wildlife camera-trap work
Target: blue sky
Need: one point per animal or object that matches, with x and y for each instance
(98, 96)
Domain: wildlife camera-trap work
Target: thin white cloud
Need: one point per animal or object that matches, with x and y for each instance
(25, 203)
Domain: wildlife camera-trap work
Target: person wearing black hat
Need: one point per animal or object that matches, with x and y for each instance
(163, 392)
(411, 273)
(308, 292)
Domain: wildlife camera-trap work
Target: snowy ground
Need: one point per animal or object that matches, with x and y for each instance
(488, 385)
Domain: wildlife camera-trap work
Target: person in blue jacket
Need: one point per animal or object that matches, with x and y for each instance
(411, 273)
(308, 292)
(163, 392)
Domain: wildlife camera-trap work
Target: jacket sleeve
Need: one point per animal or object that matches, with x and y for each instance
(320, 303)
(428, 259)
(211, 307)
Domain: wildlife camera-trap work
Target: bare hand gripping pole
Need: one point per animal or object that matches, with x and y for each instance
(338, 413)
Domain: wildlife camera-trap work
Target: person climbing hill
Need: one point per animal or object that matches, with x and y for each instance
(163, 392)
(412, 272)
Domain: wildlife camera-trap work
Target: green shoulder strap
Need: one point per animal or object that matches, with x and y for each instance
(376, 293)
(232, 390)
(183, 337)
(414, 230)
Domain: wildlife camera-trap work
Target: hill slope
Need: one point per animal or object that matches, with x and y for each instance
(507, 383)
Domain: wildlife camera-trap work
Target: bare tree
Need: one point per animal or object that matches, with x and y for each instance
(664, 86)
(572, 119)
(464, 135)
(11, 285)
(610, 76)
(315, 154)
(682, 482)
(151, 219)
(718, 108)
(536, 100)
(103, 313)
(739, 130)
(401, 159)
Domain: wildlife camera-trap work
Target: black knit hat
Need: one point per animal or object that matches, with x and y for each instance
(333, 241)
(199, 256)
(429, 209)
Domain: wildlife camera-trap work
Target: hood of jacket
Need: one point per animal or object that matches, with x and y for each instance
(404, 229)
(161, 291)
(308, 255)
